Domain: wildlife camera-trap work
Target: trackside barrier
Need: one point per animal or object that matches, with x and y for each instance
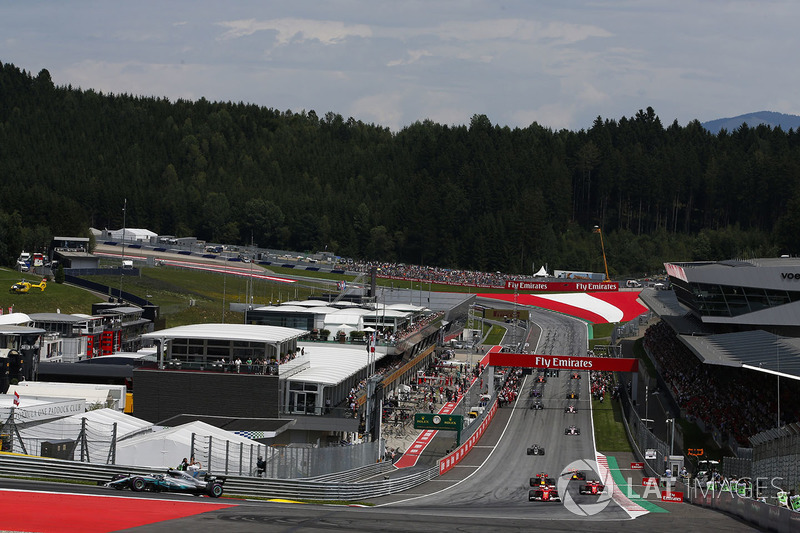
(452, 459)
(301, 489)
(767, 517)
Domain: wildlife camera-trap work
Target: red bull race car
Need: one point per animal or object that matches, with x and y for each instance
(575, 474)
(591, 487)
(572, 430)
(542, 480)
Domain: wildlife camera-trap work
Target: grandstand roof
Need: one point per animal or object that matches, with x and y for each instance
(332, 364)
(757, 350)
(235, 332)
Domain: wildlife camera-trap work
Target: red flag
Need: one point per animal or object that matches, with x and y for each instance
(16, 398)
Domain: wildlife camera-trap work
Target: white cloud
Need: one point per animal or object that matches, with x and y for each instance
(295, 29)
(412, 56)
(384, 109)
(517, 30)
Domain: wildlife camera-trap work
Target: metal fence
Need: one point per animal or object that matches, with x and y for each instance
(113, 292)
(776, 455)
(342, 487)
(90, 441)
(737, 467)
(644, 439)
(281, 462)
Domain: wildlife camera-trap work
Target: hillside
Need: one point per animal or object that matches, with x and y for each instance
(766, 118)
(480, 197)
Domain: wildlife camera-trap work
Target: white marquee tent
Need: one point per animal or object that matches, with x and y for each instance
(167, 447)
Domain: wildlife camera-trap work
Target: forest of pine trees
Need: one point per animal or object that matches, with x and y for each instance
(478, 196)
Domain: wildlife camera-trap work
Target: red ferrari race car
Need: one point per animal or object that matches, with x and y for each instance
(541, 379)
(574, 375)
(572, 430)
(543, 480)
(591, 487)
(571, 409)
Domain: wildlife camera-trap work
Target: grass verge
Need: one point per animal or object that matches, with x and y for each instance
(609, 431)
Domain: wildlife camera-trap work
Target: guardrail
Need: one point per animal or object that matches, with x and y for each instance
(339, 486)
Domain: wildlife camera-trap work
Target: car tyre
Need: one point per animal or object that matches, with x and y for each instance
(137, 484)
(215, 490)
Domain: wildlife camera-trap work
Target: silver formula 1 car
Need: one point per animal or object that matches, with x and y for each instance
(170, 481)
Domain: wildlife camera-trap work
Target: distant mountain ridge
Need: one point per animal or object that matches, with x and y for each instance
(769, 118)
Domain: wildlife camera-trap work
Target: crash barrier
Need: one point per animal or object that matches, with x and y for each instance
(643, 439)
(281, 462)
(737, 468)
(452, 459)
(301, 489)
(72, 279)
(767, 517)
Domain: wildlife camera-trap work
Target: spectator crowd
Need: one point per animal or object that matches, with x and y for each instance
(738, 402)
(431, 274)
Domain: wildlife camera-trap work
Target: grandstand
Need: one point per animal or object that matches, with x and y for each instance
(728, 345)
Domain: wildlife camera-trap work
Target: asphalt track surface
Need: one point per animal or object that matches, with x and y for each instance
(486, 492)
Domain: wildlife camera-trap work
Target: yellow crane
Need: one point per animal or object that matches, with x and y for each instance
(602, 246)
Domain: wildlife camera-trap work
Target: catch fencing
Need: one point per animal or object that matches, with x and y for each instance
(776, 455)
(355, 485)
(90, 441)
(644, 439)
(282, 462)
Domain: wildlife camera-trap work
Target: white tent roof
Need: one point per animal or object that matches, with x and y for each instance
(312, 303)
(542, 273)
(14, 319)
(89, 393)
(168, 447)
(334, 320)
(69, 427)
(359, 311)
(236, 332)
(391, 313)
(132, 234)
(284, 308)
(409, 308)
(332, 364)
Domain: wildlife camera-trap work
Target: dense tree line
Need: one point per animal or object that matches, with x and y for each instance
(479, 196)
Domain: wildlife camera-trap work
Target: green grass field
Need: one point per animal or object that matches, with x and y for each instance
(54, 297)
(495, 335)
(609, 430)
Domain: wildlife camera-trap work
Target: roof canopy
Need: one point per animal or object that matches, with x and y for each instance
(235, 332)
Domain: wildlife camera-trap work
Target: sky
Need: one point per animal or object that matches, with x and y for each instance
(558, 63)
